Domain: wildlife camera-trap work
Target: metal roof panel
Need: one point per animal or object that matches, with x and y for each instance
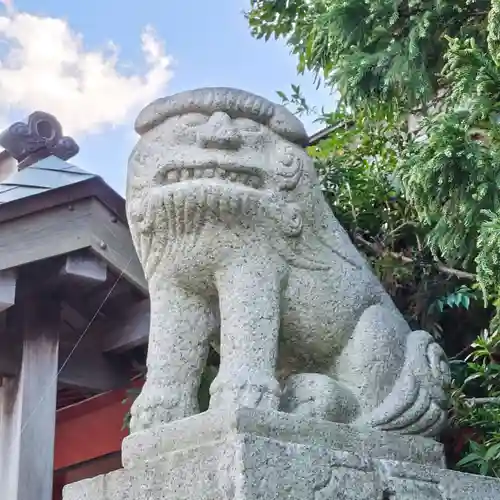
(49, 173)
(18, 193)
(44, 178)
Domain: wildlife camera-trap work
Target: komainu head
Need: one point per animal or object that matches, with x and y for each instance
(221, 156)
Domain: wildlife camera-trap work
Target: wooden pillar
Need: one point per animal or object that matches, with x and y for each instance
(28, 407)
(8, 281)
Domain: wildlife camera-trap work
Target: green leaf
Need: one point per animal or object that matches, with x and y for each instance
(483, 469)
(493, 453)
(477, 448)
(466, 301)
(469, 459)
(474, 376)
(282, 95)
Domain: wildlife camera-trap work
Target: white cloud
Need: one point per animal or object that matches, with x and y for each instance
(45, 66)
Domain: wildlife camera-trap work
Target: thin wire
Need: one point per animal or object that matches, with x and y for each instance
(78, 342)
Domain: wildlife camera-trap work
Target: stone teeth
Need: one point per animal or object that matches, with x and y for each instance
(211, 202)
(176, 175)
(220, 173)
(245, 204)
(224, 206)
(254, 181)
(235, 205)
(173, 176)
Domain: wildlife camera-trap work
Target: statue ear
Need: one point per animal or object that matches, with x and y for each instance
(321, 241)
(288, 163)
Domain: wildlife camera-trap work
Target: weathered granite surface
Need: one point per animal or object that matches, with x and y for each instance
(249, 455)
(239, 247)
(215, 426)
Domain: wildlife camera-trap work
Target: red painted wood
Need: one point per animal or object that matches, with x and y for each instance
(91, 429)
(90, 469)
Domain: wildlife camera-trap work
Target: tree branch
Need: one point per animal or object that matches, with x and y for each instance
(380, 252)
(455, 272)
(465, 350)
(483, 401)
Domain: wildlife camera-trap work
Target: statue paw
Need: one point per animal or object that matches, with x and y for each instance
(318, 396)
(260, 392)
(417, 403)
(159, 404)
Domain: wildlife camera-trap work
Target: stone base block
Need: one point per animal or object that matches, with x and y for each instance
(249, 454)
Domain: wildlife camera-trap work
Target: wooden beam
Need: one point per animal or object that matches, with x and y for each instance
(10, 357)
(84, 269)
(94, 187)
(113, 243)
(130, 331)
(54, 232)
(93, 370)
(63, 230)
(86, 368)
(8, 281)
(28, 409)
(74, 319)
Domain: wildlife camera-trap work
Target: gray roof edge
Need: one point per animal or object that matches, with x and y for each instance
(92, 187)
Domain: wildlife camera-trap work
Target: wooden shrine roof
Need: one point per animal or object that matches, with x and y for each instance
(49, 173)
(50, 211)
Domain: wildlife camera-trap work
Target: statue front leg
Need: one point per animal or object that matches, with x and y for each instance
(181, 323)
(249, 301)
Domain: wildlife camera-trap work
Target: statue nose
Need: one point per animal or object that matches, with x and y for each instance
(219, 133)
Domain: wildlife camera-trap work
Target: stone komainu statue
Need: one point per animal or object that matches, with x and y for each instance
(239, 247)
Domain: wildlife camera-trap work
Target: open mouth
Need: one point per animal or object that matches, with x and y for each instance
(246, 176)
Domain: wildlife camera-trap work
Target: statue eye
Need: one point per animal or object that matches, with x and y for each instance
(192, 119)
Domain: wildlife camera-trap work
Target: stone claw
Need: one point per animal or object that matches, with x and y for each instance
(159, 405)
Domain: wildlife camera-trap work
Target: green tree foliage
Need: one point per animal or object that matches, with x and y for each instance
(382, 50)
(421, 202)
(476, 397)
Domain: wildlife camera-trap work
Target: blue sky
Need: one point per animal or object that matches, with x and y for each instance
(208, 43)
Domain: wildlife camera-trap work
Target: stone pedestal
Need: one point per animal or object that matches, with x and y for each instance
(249, 454)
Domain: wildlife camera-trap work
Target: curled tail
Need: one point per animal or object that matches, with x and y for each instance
(417, 403)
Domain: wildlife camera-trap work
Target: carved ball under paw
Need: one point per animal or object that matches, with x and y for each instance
(260, 392)
(314, 395)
